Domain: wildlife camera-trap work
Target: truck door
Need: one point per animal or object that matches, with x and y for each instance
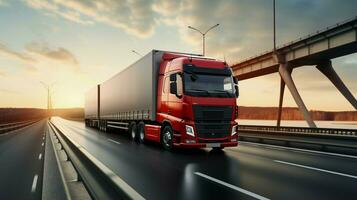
(165, 94)
(175, 101)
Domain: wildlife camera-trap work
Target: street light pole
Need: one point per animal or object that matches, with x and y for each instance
(274, 25)
(203, 36)
(49, 100)
(136, 53)
(203, 44)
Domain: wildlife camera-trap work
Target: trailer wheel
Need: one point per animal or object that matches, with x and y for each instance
(167, 137)
(133, 131)
(105, 126)
(141, 132)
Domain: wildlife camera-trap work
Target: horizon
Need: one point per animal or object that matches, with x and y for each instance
(287, 107)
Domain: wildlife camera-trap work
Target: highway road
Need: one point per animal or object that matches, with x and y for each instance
(248, 171)
(21, 162)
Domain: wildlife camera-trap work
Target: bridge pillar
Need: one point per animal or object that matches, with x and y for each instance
(281, 98)
(285, 74)
(327, 69)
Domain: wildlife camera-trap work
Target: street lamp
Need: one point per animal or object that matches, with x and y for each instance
(203, 35)
(49, 100)
(136, 53)
(274, 25)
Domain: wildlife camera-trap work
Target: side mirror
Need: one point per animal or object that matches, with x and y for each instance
(173, 77)
(236, 88)
(173, 87)
(235, 80)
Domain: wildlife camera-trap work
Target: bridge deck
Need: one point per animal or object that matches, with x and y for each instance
(328, 44)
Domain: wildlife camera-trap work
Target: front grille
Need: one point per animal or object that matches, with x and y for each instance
(213, 141)
(216, 113)
(212, 121)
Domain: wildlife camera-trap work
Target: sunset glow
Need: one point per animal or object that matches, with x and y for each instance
(77, 44)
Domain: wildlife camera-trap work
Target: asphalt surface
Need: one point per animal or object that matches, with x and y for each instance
(21, 166)
(245, 172)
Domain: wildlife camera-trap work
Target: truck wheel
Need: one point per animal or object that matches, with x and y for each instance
(167, 137)
(105, 126)
(141, 132)
(133, 131)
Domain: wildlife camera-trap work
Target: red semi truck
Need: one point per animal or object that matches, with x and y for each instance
(177, 99)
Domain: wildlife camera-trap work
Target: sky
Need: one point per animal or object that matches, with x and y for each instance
(75, 44)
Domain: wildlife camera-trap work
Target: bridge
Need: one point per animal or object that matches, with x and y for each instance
(315, 49)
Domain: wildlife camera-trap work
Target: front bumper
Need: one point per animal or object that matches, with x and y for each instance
(206, 145)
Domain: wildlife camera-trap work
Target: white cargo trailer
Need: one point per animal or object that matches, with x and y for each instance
(130, 94)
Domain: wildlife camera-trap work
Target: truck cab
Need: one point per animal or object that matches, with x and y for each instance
(196, 102)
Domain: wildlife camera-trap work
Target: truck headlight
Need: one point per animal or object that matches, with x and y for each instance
(190, 131)
(234, 130)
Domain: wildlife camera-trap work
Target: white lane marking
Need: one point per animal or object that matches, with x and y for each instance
(232, 186)
(42, 144)
(114, 141)
(40, 156)
(34, 183)
(297, 149)
(317, 169)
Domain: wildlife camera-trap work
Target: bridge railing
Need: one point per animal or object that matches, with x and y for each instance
(15, 125)
(333, 140)
(298, 130)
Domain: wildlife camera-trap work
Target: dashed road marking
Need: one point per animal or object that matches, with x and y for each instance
(232, 186)
(114, 141)
(42, 143)
(34, 183)
(40, 156)
(316, 169)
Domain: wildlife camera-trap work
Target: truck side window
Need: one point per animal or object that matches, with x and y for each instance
(166, 86)
(179, 84)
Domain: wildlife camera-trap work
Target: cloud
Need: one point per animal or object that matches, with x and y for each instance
(167, 8)
(40, 55)
(6, 52)
(22, 57)
(3, 3)
(133, 16)
(59, 54)
(246, 25)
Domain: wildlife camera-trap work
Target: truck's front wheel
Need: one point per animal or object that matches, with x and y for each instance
(167, 137)
(141, 132)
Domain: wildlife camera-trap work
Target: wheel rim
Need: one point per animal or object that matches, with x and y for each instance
(132, 133)
(142, 135)
(167, 138)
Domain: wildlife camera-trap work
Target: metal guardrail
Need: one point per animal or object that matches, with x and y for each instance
(16, 125)
(298, 130)
(100, 181)
(323, 139)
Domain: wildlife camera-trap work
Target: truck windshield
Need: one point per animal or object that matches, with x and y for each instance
(208, 85)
